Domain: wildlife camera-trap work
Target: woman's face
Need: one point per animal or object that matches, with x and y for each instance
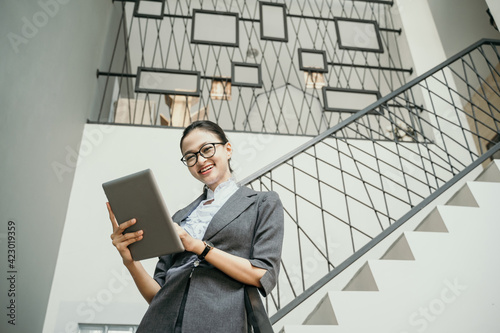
(211, 171)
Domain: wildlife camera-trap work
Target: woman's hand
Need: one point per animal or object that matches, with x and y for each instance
(120, 240)
(190, 244)
(236, 267)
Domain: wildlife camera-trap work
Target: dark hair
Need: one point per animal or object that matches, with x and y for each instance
(208, 126)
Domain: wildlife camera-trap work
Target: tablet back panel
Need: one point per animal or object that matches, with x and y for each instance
(138, 196)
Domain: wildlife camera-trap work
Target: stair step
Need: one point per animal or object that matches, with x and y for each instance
(362, 281)
(399, 250)
(309, 329)
(472, 226)
(326, 329)
(433, 279)
(486, 194)
(373, 311)
(463, 197)
(322, 314)
(491, 173)
(392, 275)
(432, 222)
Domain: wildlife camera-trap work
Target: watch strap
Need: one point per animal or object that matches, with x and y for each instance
(208, 247)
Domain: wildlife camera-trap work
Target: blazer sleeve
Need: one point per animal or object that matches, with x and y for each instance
(268, 240)
(161, 269)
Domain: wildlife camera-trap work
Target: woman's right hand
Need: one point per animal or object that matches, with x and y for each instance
(120, 240)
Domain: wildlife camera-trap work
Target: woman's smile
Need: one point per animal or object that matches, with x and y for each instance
(206, 169)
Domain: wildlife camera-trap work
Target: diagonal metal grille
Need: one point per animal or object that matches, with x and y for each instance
(284, 104)
(365, 176)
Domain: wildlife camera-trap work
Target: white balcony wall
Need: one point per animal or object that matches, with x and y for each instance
(494, 7)
(461, 23)
(105, 292)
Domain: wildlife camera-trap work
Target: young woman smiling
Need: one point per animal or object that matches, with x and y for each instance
(232, 237)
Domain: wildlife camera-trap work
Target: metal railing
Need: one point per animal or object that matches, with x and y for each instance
(349, 187)
(285, 103)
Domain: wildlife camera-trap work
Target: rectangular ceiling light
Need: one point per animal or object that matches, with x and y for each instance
(348, 100)
(149, 9)
(215, 28)
(313, 61)
(167, 81)
(358, 35)
(273, 25)
(246, 75)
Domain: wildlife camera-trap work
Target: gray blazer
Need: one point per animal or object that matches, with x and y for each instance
(215, 301)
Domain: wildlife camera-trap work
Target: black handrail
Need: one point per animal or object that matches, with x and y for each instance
(366, 110)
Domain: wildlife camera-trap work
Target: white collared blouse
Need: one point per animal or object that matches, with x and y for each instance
(197, 222)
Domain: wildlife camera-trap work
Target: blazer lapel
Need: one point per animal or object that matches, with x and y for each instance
(184, 213)
(234, 206)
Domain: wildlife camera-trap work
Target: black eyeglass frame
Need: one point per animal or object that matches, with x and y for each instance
(183, 159)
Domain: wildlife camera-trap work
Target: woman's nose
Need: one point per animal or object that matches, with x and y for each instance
(201, 159)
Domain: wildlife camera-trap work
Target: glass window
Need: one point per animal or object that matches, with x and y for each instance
(104, 328)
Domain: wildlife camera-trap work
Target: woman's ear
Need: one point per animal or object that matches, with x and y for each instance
(229, 149)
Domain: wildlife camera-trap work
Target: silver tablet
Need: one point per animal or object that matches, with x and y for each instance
(138, 196)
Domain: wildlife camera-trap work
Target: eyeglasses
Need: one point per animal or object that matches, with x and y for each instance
(207, 151)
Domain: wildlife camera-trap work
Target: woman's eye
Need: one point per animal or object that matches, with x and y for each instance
(207, 150)
(189, 157)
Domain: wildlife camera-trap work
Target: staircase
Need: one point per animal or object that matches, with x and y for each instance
(440, 277)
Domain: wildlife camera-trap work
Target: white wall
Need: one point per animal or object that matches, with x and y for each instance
(421, 33)
(494, 7)
(87, 259)
(438, 29)
(434, 34)
(49, 53)
(461, 23)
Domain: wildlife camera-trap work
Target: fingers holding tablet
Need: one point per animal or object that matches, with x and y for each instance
(122, 240)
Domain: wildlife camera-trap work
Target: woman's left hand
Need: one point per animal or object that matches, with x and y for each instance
(190, 244)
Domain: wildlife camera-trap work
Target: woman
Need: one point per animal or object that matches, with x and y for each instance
(232, 237)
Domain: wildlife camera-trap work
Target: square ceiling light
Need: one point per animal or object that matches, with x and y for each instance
(358, 35)
(273, 25)
(149, 9)
(215, 28)
(167, 81)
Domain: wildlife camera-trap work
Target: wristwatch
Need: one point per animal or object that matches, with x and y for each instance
(208, 247)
